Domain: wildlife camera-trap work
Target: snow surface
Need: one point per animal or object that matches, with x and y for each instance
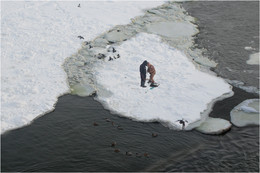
(246, 113)
(36, 37)
(184, 91)
(214, 126)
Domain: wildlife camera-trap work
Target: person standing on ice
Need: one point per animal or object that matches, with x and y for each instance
(151, 71)
(143, 73)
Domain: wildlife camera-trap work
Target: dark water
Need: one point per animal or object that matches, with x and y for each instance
(67, 140)
(226, 28)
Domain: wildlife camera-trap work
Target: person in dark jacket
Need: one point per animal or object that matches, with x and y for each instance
(143, 73)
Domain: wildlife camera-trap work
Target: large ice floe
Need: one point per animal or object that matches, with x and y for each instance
(184, 91)
(246, 113)
(36, 37)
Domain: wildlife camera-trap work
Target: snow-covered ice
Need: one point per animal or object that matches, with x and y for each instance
(214, 126)
(246, 113)
(36, 37)
(184, 91)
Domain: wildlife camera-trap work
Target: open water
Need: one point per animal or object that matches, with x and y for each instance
(78, 134)
(226, 29)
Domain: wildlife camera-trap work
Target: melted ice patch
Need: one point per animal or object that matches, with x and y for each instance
(173, 29)
(184, 91)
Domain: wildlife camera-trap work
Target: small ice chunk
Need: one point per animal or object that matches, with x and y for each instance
(181, 84)
(249, 48)
(253, 59)
(214, 126)
(246, 113)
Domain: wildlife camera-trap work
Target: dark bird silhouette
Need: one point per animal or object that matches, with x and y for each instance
(117, 150)
(114, 50)
(120, 128)
(79, 5)
(146, 155)
(80, 37)
(128, 153)
(113, 144)
(154, 134)
(138, 155)
(110, 59)
(95, 124)
(118, 56)
(108, 120)
(182, 121)
(101, 56)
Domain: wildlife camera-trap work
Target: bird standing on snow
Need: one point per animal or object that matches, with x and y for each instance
(183, 123)
(80, 37)
(79, 5)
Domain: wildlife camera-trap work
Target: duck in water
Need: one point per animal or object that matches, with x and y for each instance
(182, 121)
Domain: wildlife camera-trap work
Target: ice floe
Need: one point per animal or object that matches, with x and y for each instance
(36, 37)
(214, 126)
(246, 113)
(184, 91)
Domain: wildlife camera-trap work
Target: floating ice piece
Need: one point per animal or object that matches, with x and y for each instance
(246, 113)
(249, 48)
(184, 91)
(253, 59)
(214, 126)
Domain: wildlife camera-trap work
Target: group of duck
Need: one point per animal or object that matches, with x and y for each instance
(114, 144)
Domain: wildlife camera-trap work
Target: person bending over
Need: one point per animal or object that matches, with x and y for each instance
(151, 71)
